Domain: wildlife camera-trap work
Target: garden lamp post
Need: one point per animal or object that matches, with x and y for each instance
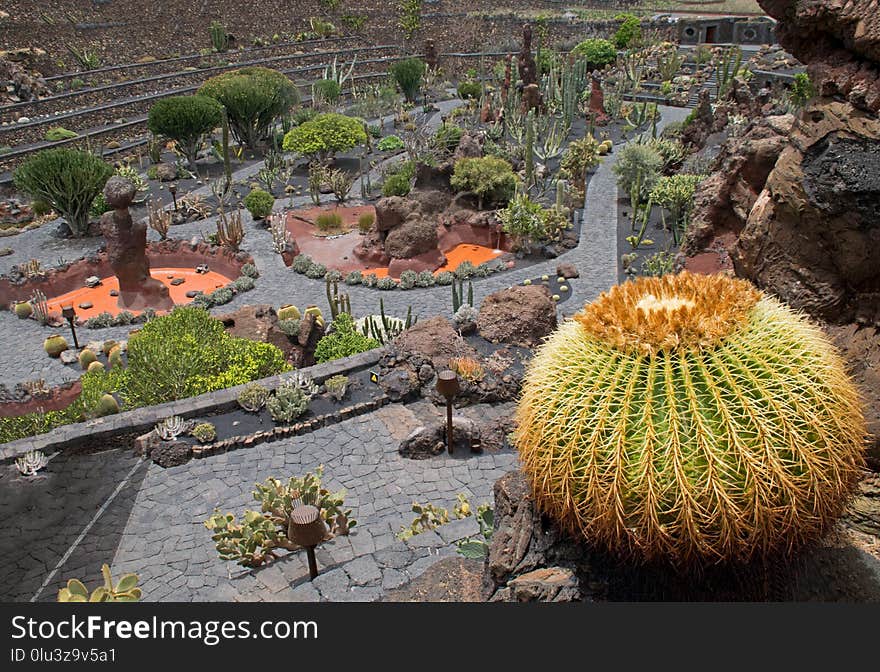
(69, 314)
(172, 188)
(447, 385)
(308, 530)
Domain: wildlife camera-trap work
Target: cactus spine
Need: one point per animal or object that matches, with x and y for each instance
(690, 419)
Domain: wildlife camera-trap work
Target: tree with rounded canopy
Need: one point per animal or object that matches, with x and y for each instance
(325, 135)
(186, 120)
(254, 99)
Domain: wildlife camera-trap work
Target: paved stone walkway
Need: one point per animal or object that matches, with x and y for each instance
(154, 524)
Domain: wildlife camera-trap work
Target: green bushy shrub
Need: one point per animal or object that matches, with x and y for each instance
(409, 74)
(596, 52)
(327, 91)
(188, 352)
(629, 34)
(325, 135)
(638, 166)
(448, 136)
(390, 143)
(186, 120)
(343, 341)
(469, 89)
(254, 98)
(259, 203)
(329, 221)
(398, 182)
(490, 178)
(67, 179)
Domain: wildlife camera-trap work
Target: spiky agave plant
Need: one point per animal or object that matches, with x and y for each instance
(690, 419)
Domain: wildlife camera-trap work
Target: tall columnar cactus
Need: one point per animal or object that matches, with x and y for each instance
(690, 419)
(339, 303)
(529, 148)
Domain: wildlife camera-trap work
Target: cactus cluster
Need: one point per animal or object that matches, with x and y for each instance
(257, 538)
(253, 397)
(339, 302)
(690, 419)
(458, 295)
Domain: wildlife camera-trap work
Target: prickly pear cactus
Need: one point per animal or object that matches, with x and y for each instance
(690, 419)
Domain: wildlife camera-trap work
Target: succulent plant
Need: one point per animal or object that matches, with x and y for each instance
(107, 405)
(54, 345)
(125, 590)
(304, 382)
(257, 538)
(86, 357)
(95, 366)
(290, 327)
(114, 359)
(108, 345)
(205, 432)
(690, 419)
(337, 386)
(31, 462)
(170, 428)
(288, 403)
(23, 309)
(289, 312)
(253, 397)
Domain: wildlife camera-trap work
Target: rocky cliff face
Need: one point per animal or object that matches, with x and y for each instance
(839, 40)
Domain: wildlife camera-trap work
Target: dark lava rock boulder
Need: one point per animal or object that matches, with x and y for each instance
(414, 237)
(171, 453)
(392, 211)
(517, 315)
(434, 339)
(426, 442)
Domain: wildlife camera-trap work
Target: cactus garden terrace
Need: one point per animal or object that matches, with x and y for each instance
(444, 297)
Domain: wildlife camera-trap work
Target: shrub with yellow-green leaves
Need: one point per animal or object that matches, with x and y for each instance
(690, 419)
(325, 135)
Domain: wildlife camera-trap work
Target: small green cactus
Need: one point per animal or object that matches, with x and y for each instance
(23, 310)
(108, 346)
(86, 358)
(125, 590)
(95, 366)
(253, 397)
(289, 313)
(205, 432)
(54, 345)
(114, 359)
(107, 405)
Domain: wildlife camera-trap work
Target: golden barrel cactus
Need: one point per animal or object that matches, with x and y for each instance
(690, 419)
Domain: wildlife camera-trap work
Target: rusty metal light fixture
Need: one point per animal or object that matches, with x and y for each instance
(448, 386)
(308, 530)
(172, 189)
(69, 313)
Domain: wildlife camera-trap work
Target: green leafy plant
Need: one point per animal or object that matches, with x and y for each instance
(326, 134)
(259, 203)
(489, 177)
(596, 52)
(344, 340)
(125, 590)
(469, 89)
(409, 74)
(802, 90)
(326, 91)
(629, 33)
(676, 194)
(448, 136)
(398, 181)
(390, 143)
(410, 16)
(260, 535)
(255, 99)
(638, 169)
(690, 419)
(67, 179)
(186, 120)
(580, 156)
(525, 220)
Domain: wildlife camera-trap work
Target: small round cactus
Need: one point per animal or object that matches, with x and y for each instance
(690, 419)
(560, 280)
(95, 366)
(114, 359)
(86, 358)
(54, 345)
(107, 405)
(527, 282)
(23, 310)
(556, 297)
(108, 346)
(204, 432)
(545, 278)
(563, 288)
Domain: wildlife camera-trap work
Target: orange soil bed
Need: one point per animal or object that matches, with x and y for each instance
(338, 252)
(102, 302)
